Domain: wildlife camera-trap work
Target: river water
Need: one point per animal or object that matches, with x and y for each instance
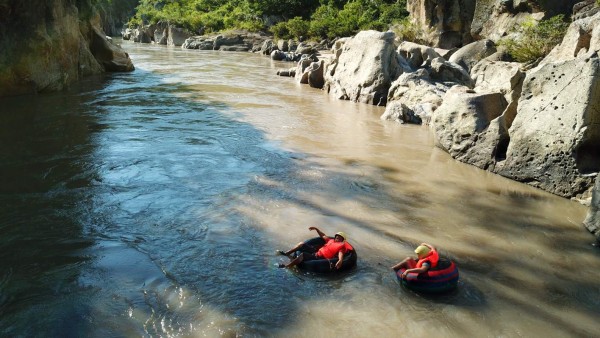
(151, 204)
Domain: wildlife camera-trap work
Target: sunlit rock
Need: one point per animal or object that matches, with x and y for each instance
(416, 54)
(417, 95)
(581, 40)
(472, 53)
(364, 69)
(592, 220)
(555, 137)
(469, 126)
(441, 70)
(500, 77)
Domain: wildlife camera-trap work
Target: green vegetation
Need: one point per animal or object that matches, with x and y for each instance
(536, 40)
(292, 18)
(407, 30)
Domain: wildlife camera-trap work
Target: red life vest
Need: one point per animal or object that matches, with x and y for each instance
(432, 258)
(332, 248)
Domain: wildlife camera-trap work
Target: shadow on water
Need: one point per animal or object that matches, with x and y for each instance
(92, 182)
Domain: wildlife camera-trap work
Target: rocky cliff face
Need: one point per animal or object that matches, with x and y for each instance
(455, 23)
(47, 44)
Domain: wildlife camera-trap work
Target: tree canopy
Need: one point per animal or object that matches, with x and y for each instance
(285, 18)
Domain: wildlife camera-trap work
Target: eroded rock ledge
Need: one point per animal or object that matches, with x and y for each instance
(47, 44)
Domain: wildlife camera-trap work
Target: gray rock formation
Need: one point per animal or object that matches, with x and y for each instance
(494, 19)
(414, 94)
(581, 40)
(315, 74)
(142, 35)
(592, 220)
(399, 112)
(447, 71)
(416, 54)
(585, 9)
(555, 137)
(232, 41)
(468, 126)
(364, 68)
(500, 77)
(472, 53)
(45, 45)
(109, 55)
(176, 36)
(448, 19)
(161, 33)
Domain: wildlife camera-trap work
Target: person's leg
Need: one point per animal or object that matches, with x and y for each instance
(292, 250)
(301, 258)
(407, 263)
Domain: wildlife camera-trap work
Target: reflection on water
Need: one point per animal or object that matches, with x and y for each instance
(151, 204)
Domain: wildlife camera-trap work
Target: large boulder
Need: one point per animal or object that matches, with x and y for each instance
(227, 40)
(142, 35)
(416, 54)
(399, 112)
(447, 71)
(177, 36)
(500, 77)
(315, 74)
(110, 56)
(267, 47)
(592, 220)
(449, 20)
(161, 33)
(555, 137)
(365, 68)
(472, 53)
(469, 126)
(413, 95)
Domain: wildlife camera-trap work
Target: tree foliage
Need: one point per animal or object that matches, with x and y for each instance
(294, 18)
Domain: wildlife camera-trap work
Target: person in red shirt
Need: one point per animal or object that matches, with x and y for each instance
(427, 258)
(333, 247)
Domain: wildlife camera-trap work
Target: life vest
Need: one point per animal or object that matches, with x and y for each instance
(331, 249)
(432, 258)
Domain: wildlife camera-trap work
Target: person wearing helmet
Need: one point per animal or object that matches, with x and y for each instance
(336, 246)
(427, 258)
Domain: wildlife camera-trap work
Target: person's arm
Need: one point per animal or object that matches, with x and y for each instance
(429, 246)
(340, 259)
(321, 234)
(422, 269)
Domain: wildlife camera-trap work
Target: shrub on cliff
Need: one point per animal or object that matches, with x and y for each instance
(536, 40)
(406, 30)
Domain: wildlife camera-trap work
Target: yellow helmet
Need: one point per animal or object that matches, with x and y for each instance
(422, 249)
(342, 234)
